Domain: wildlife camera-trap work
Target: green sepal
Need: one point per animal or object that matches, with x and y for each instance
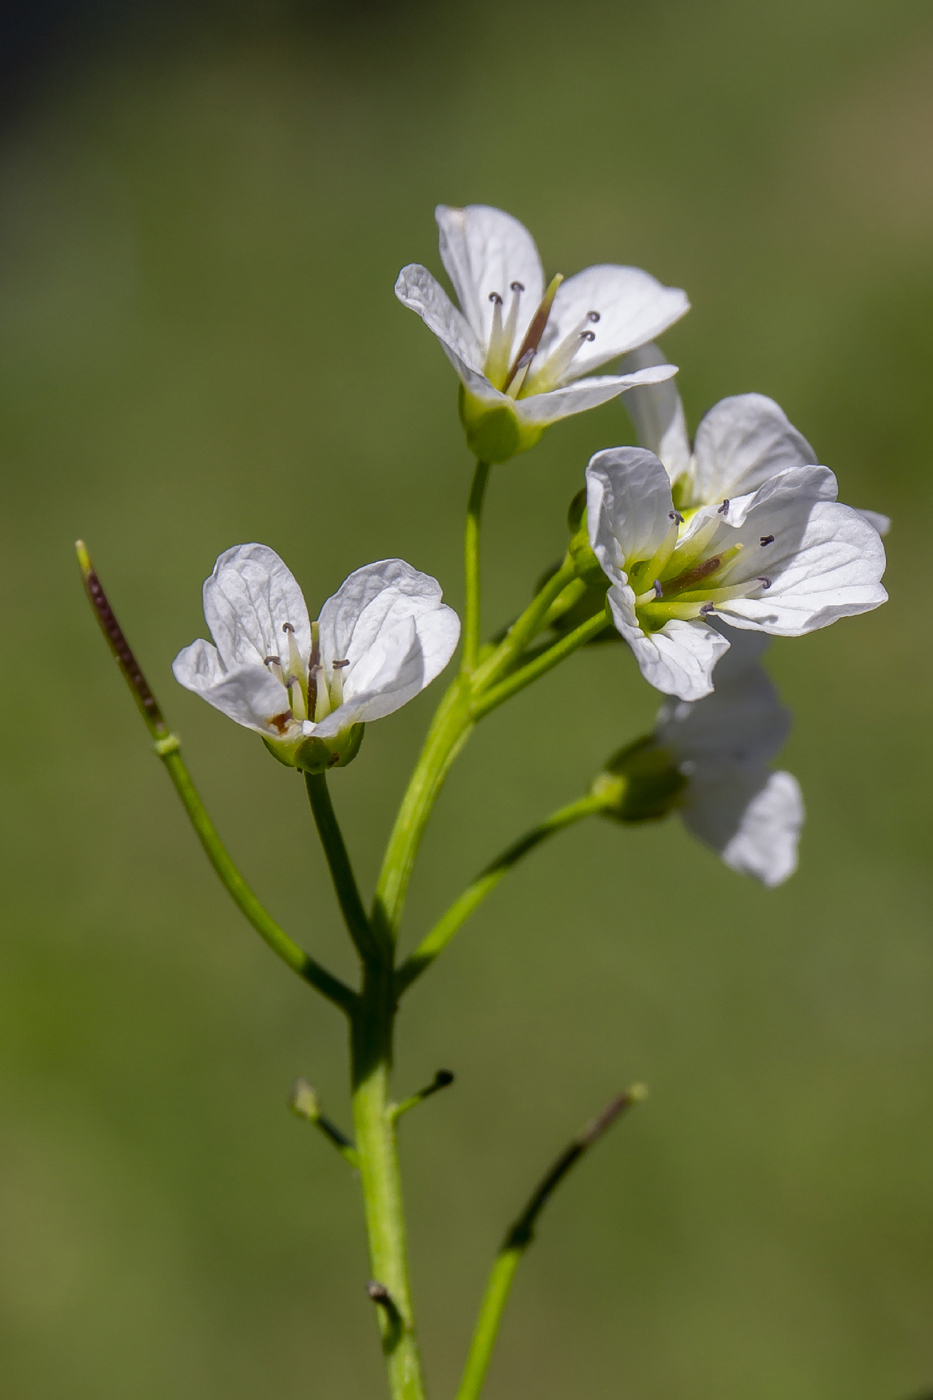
(494, 431)
(313, 755)
(640, 783)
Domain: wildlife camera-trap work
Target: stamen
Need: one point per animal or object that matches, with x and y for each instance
(658, 588)
(336, 683)
(766, 539)
(765, 582)
(552, 370)
(592, 316)
(676, 516)
(538, 323)
(724, 508)
(706, 609)
(513, 388)
(511, 322)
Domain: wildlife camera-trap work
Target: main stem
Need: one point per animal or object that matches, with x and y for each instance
(371, 1051)
(472, 621)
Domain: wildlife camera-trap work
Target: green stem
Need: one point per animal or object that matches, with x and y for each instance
(520, 1235)
(443, 931)
(338, 860)
(472, 621)
(241, 894)
(449, 731)
(371, 1051)
(526, 627)
(543, 662)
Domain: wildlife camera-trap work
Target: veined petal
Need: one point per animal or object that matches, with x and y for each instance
(741, 443)
(247, 600)
(628, 505)
(881, 523)
(485, 250)
(249, 694)
(585, 393)
(421, 292)
(632, 306)
(657, 413)
(370, 605)
(824, 560)
(679, 659)
(741, 725)
(753, 819)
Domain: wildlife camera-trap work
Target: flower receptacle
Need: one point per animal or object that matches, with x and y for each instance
(641, 783)
(494, 431)
(313, 755)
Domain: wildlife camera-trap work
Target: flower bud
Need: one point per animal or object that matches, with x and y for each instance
(641, 783)
(494, 432)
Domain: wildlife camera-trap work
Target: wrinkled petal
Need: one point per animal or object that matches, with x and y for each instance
(586, 393)
(679, 659)
(657, 413)
(373, 600)
(752, 819)
(825, 561)
(248, 694)
(879, 522)
(742, 724)
(417, 289)
(248, 599)
(485, 250)
(633, 307)
(741, 443)
(628, 505)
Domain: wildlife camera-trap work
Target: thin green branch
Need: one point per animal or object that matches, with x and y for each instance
(525, 627)
(442, 1080)
(520, 1235)
(449, 731)
(341, 870)
(450, 922)
(541, 663)
(305, 1103)
(168, 749)
(472, 620)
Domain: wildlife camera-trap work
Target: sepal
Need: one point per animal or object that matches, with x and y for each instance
(640, 783)
(494, 431)
(313, 755)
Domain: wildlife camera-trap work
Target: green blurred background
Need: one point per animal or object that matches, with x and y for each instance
(203, 212)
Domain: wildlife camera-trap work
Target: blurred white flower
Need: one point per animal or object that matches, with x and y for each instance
(785, 559)
(722, 745)
(741, 443)
(382, 637)
(525, 352)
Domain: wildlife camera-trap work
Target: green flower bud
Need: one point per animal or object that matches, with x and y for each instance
(641, 783)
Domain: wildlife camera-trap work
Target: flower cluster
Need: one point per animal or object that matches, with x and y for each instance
(695, 553)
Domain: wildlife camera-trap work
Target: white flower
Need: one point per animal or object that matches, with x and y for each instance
(722, 745)
(742, 442)
(382, 637)
(785, 559)
(525, 352)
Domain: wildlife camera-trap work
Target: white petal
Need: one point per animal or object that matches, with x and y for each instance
(586, 393)
(882, 523)
(677, 660)
(742, 724)
(658, 414)
(401, 662)
(248, 694)
(485, 250)
(421, 292)
(825, 561)
(628, 506)
(248, 599)
(752, 819)
(633, 307)
(389, 622)
(741, 443)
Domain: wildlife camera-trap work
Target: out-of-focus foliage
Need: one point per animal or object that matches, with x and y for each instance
(202, 219)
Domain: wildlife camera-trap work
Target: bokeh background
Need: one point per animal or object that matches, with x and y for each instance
(202, 213)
